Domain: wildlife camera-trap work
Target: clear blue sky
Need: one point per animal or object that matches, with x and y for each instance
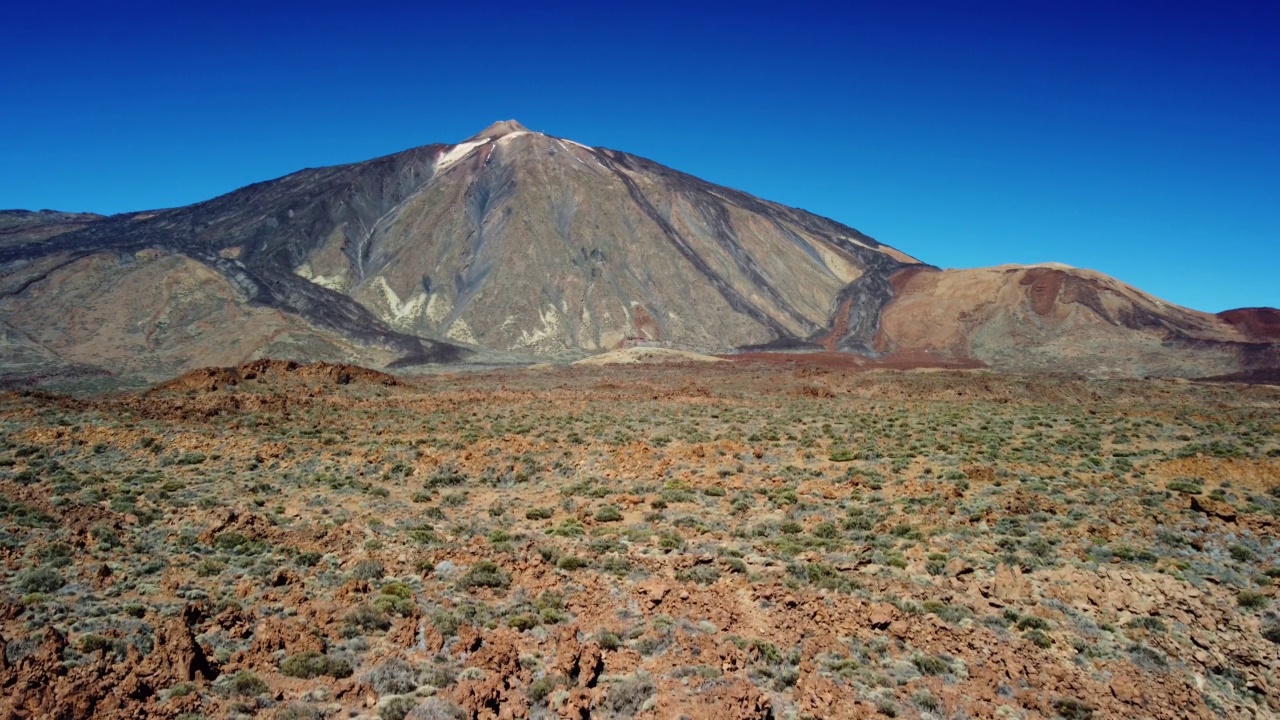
(1141, 139)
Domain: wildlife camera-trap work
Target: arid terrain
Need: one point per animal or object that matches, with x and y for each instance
(771, 537)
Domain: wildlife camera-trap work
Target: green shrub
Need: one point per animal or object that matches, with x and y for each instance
(368, 570)
(190, 458)
(608, 640)
(571, 562)
(393, 605)
(311, 664)
(1147, 658)
(366, 617)
(826, 530)
(92, 643)
(926, 701)
(700, 574)
(1148, 622)
(1072, 709)
(569, 528)
(396, 707)
(930, 664)
(245, 684)
(307, 559)
(1039, 639)
(423, 534)
(446, 623)
(628, 696)
(820, 575)
(40, 580)
(1250, 600)
(523, 622)
(394, 676)
(608, 513)
(300, 711)
(445, 476)
(541, 688)
(485, 574)
(1031, 622)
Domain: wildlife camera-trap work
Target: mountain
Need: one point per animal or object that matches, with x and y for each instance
(18, 227)
(1055, 318)
(515, 244)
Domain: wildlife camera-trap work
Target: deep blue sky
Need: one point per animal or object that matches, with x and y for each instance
(1141, 139)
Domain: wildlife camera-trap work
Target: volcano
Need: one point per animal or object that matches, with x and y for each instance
(516, 246)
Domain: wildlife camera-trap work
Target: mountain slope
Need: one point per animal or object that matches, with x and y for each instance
(1061, 319)
(525, 242)
(522, 244)
(512, 240)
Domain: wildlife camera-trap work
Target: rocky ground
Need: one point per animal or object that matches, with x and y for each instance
(732, 540)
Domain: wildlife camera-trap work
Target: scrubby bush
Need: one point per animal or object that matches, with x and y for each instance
(245, 684)
(92, 643)
(608, 640)
(396, 599)
(1250, 600)
(1072, 709)
(1147, 658)
(700, 574)
(1031, 622)
(445, 476)
(930, 664)
(40, 580)
(1186, 486)
(434, 708)
(311, 664)
(368, 570)
(393, 677)
(1240, 553)
(365, 618)
(628, 696)
(1039, 639)
(396, 708)
(300, 711)
(485, 574)
(571, 562)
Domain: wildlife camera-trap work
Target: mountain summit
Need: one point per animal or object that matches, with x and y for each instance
(515, 244)
(497, 130)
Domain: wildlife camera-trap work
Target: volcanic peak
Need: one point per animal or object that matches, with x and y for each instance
(497, 130)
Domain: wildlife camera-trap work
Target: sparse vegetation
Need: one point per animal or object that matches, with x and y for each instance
(690, 532)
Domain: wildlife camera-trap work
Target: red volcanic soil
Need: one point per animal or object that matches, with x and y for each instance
(838, 328)
(1046, 284)
(1260, 323)
(900, 278)
(210, 379)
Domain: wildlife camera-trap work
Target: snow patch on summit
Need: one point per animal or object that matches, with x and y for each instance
(456, 153)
